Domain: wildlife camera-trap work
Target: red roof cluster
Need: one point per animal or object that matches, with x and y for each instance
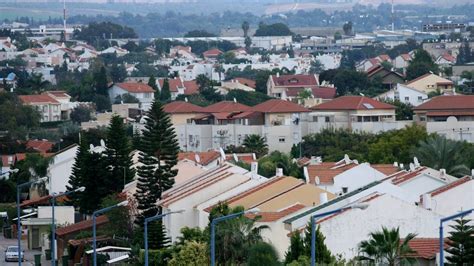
(425, 248)
(226, 107)
(353, 103)
(206, 157)
(180, 107)
(42, 146)
(40, 98)
(136, 87)
(448, 102)
(212, 53)
(81, 226)
(295, 80)
(189, 87)
(451, 185)
(279, 106)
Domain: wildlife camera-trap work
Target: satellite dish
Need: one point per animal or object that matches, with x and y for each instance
(236, 159)
(222, 154)
(102, 143)
(412, 167)
(91, 147)
(306, 174)
(197, 158)
(317, 181)
(186, 99)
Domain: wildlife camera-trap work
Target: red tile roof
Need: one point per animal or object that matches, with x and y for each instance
(244, 157)
(324, 92)
(353, 103)
(42, 146)
(407, 176)
(135, 87)
(295, 80)
(266, 217)
(14, 157)
(406, 57)
(191, 87)
(206, 157)
(226, 106)
(449, 57)
(58, 94)
(425, 248)
(279, 106)
(326, 171)
(212, 53)
(247, 82)
(41, 98)
(448, 102)
(180, 107)
(384, 57)
(386, 169)
(81, 226)
(451, 185)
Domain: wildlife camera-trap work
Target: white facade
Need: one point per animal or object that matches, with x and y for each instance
(60, 169)
(453, 129)
(404, 94)
(456, 199)
(145, 98)
(64, 215)
(345, 231)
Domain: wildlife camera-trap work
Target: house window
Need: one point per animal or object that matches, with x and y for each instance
(45, 108)
(147, 95)
(315, 119)
(327, 119)
(422, 118)
(407, 99)
(420, 99)
(281, 139)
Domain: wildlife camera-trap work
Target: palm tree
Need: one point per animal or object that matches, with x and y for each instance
(386, 247)
(255, 143)
(440, 153)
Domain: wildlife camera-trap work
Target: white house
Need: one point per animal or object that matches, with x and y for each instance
(404, 94)
(402, 61)
(115, 50)
(49, 108)
(143, 92)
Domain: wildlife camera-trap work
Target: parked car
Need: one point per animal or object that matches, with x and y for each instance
(11, 254)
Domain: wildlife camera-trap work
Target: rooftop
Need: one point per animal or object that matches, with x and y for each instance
(279, 106)
(81, 226)
(135, 87)
(40, 98)
(295, 80)
(448, 102)
(180, 107)
(353, 103)
(226, 107)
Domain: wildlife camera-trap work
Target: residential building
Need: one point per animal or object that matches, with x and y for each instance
(143, 92)
(278, 85)
(178, 86)
(402, 61)
(445, 60)
(181, 112)
(451, 116)
(48, 107)
(182, 52)
(65, 100)
(404, 94)
(387, 77)
(212, 53)
(233, 84)
(115, 50)
(60, 169)
(356, 113)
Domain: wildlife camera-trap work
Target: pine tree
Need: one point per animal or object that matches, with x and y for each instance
(158, 154)
(323, 254)
(118, 154)
(296, 248)
(461, 243)
(79, 168)
(165, 94)
(100, 81)
(152, 84)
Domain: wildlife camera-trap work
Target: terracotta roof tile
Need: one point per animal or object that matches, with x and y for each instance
(135, 87)
(353, 103)
(226, 107)
(451, 185)
(407, 176)
(180, 107)
(212, 52)
(448, 102)
(206, 157)
(425, 248)
(81, 226)
(295, 80)
(247, 82)
(386, 169)
(279, 106)
(266, 217)
(42, 146)
(41, 98)
(326, 171)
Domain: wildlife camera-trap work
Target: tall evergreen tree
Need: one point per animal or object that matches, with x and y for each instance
(158, 154)
(100, 81)
(323, 254)
(165, 94)
(461, 243)
(152, 84)
(118, 154)
(79, 168)
(296, 248)
(465, 54)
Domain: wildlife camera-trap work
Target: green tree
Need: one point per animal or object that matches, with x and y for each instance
(245, 28)
(316, 67)
(262, 254)
(81, 113)
(118, 73)
(199, 33)
(386, 247)
(122, 225)
(276, 29)
(349, 81)
(276, 159)
(256, 144)
(465, 54)
(404, 111)
(158, 155)
(100, 81)
(165, 94)
(248, 43)
(126, 98)
(440, 153)
(337, 36)
(250, 98)
(461, 243)
(421, 64)
(323, 254)
(296, 248)
(16, 119)
(118, 152)
(347, 28)
(191, 253)
(37, 83)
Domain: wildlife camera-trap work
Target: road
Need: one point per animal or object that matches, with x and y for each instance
(29, 255)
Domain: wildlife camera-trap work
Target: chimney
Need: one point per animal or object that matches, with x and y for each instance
(323, 198)
(306, 174)
(278, 74)
(279, 172)
(426, 198)
(402, 166)
(472, 173)
(442, 172)
(254, 169)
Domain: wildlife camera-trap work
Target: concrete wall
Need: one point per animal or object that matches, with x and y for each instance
(64, 215)
(451, 129)
(60, 170)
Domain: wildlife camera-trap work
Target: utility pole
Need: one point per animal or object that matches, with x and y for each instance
(393, 18)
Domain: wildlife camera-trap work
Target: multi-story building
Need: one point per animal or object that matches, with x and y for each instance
(143, 92)
(47, 106)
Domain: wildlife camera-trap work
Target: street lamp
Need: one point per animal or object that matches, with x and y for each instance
(213, 230)
(441, 237)
(18, 188)
(53, 226)
(313, 226)
(151, 219)
(94, 215)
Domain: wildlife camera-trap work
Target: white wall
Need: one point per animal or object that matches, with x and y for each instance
(354, 178)
(422, 184)
(450, 129)
(64, 215)
(60, 170)
(459, 198)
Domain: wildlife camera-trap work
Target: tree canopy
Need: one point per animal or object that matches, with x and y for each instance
(276, 29)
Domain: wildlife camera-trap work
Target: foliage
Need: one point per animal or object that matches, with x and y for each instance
(296, 248)
(192, 253)
(465, 54)
(196, 99)
(421, 64)
(256, 144)
(316, 67)
(126, 98)
(199, 33)
(461, 243)
(122, 225)
(158, 155)
(396, 145)
(276, 29)
(103, 30)
(165, 94)
(118, 73)
(102, 102)
(16, 119)
(276, 159)
(403, 111)
(386, 247)
(118, 152)
(440, 153)
(81, 113)
(347, 28)
(250, 98)
(7, 190)
(262, 254)
(301, 261)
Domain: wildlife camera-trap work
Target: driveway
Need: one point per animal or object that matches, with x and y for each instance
(29, 254)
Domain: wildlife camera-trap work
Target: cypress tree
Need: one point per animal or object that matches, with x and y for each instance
(165, 94)
(152, 84)
(158, 154)
(100, 81)
(296, 248)
(461, 243)
(323, 254)
(79, 168)
(118, 154)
